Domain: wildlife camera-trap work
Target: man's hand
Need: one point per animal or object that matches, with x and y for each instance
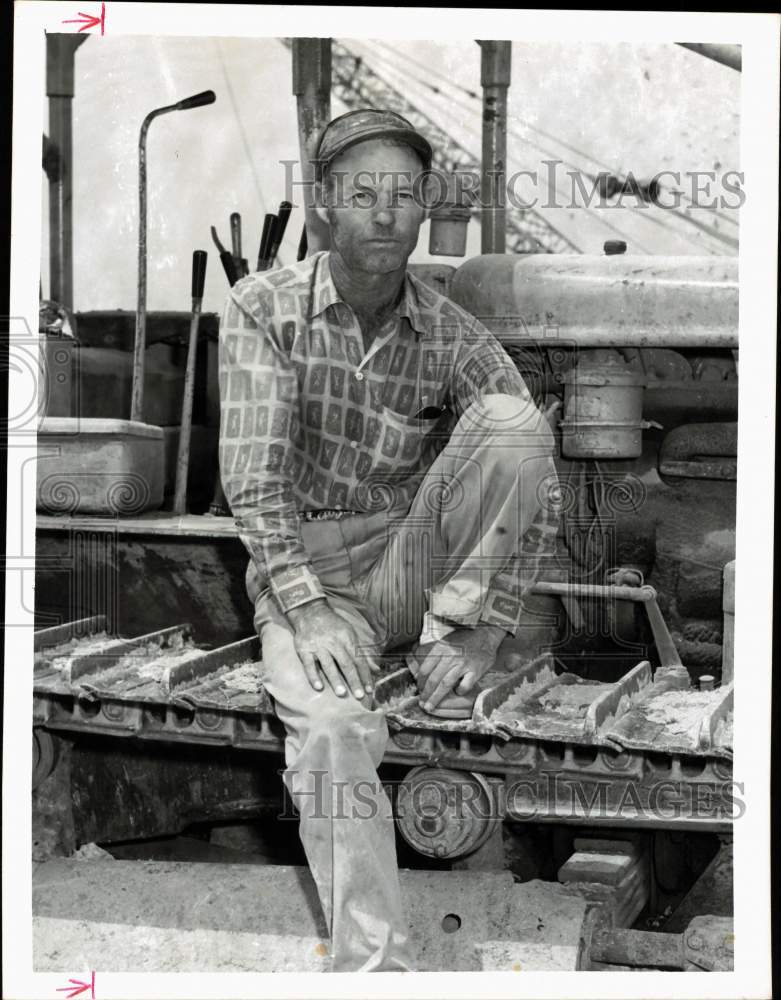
(456, 663)
(326, 643)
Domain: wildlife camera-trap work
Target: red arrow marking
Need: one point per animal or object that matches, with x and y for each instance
(78, 987)
(88, 21)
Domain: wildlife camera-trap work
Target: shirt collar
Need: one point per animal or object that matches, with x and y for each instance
(325, 294)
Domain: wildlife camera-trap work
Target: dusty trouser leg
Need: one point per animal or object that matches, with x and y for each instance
(332, 750)
(468, 518)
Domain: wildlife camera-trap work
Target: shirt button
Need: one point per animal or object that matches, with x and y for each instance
(359, 376)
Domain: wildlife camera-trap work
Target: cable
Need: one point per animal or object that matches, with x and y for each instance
(364, 83)
(472, 95)
(242, 132)
(600, 218)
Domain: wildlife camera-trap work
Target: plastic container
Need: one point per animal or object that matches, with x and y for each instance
(99, 466)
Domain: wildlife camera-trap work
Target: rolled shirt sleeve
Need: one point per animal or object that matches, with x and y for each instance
(258, 423)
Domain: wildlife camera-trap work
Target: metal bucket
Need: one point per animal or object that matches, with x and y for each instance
(447, 235)
(603, 411)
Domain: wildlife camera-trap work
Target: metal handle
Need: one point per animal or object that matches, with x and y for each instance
(185, 426)
(302, 245)
(236, 235)
(199, 273)
(269, 225)
(196, 101)
(283, 214)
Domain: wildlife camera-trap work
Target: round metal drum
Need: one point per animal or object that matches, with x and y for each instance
(444, 813)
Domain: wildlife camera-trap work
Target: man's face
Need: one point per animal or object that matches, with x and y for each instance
(373, 196)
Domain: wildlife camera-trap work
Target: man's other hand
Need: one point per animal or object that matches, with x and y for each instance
(456, 663)
(327, 645)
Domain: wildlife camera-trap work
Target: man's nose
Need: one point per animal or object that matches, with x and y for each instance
(384, 214)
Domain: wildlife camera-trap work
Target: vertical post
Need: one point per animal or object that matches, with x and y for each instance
(312, 87)
(60, 53)
(495, 66)
(139, 343)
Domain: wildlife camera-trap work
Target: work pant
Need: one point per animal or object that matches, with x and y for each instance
(380, 572)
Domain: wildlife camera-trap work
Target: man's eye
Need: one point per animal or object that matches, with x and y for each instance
(363, 199)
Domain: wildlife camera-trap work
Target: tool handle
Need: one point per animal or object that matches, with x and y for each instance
(269, 225)
(196, 101)
(283, 214)
(216, 240)
(185, 426)
(229, 266)
(199, 273)
(236, 234)
(302, 245)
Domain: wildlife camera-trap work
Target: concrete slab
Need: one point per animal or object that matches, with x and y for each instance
(169, 916)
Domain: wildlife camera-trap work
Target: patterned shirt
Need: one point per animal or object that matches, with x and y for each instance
(310, 420)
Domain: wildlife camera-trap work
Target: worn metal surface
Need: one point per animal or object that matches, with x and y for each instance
(585, 770)
(603, 408)
(446, 813)
(142, 580)
(495, 73)
(701, 451)
(60, 57)
(709, 944)
(619, 946)
(565, 300)
(312, 88)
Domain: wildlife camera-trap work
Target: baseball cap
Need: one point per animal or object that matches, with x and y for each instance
(367, 123)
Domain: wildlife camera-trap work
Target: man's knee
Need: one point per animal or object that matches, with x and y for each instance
(500, 413)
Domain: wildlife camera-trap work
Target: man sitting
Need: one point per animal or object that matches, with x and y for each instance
(387, 470)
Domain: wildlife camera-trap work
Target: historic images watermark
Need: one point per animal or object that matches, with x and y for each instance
(552, 185)
(555, 793)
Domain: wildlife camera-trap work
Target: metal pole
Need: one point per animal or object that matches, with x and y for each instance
(621, 593)
(495, 68)
(60, 57)
(139, 346)
(312, 87)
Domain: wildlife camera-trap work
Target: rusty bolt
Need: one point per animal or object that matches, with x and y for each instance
(694, 941)
(439, 850)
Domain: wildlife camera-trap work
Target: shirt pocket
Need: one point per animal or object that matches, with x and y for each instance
(405, 439)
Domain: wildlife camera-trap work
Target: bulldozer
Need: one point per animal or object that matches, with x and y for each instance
(598, 756)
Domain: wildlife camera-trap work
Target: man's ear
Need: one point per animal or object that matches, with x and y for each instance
(320, 206)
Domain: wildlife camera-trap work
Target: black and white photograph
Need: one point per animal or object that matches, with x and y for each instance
(390, 494)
